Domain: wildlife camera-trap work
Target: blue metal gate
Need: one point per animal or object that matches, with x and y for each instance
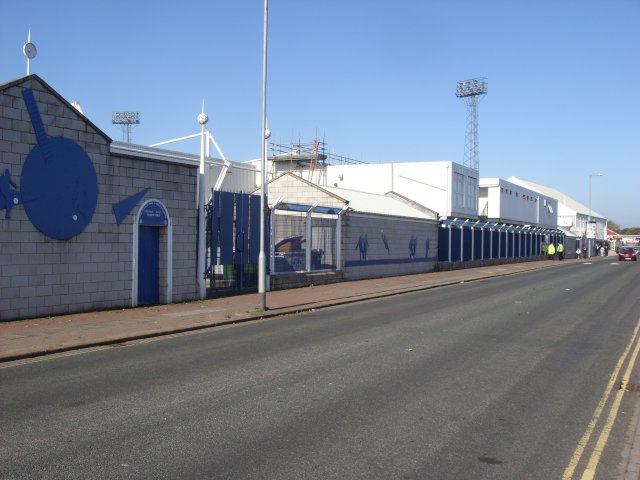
(233, 242)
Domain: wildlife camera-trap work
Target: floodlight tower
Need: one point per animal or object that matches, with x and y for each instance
(126, 119)
(470, 91)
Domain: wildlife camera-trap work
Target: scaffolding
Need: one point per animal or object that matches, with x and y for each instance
(310, 158)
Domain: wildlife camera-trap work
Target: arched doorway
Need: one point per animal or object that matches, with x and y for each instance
(152, 279)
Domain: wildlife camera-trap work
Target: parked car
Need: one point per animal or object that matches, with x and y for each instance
(627, 253)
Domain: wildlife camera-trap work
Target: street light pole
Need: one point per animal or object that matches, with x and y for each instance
(589, 221)
(262, 259)
(202, 287)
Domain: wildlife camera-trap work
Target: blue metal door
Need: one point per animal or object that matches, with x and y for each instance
(148, 265)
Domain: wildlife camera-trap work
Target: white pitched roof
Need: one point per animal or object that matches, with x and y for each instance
(389, 204)
(553, 193)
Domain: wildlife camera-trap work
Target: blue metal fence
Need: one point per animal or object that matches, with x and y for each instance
(464, 240)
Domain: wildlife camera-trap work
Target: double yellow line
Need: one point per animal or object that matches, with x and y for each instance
(592, 464)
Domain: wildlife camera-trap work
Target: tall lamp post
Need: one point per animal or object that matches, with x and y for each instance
(202, 249)
(262, 258)
(592, 233)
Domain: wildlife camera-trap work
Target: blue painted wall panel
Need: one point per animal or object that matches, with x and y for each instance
(443, 244)
(520, 244)
(254, 229)
(226, 227)
(477, 244)
(242, 229)
(456, 233)
(487, 243)
(504, 237)
(466, 240)
(215, 226)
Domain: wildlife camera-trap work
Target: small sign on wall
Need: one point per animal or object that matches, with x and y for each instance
(154, 214)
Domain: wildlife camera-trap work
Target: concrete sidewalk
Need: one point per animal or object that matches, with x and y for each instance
(42, 336)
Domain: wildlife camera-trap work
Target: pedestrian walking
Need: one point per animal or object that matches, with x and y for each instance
(560, 251)
(551, 249)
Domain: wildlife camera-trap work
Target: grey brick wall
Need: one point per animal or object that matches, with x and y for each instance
(394, 256)
(294, 190)
(42, 276)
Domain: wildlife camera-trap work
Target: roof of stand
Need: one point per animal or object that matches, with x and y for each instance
(500, 227)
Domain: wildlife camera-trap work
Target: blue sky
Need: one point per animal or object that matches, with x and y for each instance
(375, 79)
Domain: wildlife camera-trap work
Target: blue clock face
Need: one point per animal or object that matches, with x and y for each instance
(58, 183)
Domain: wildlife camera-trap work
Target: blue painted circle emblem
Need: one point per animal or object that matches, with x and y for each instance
(59, 188)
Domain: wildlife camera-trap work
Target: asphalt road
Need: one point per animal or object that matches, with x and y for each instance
(498, 378)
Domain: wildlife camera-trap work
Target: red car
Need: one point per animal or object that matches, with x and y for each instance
(627, 253)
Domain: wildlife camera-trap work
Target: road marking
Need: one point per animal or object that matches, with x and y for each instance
(590, 471)
(577, 454)
(54, 356)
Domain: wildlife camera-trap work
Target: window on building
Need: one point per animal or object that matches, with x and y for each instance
(458, 190)
(471, 189)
